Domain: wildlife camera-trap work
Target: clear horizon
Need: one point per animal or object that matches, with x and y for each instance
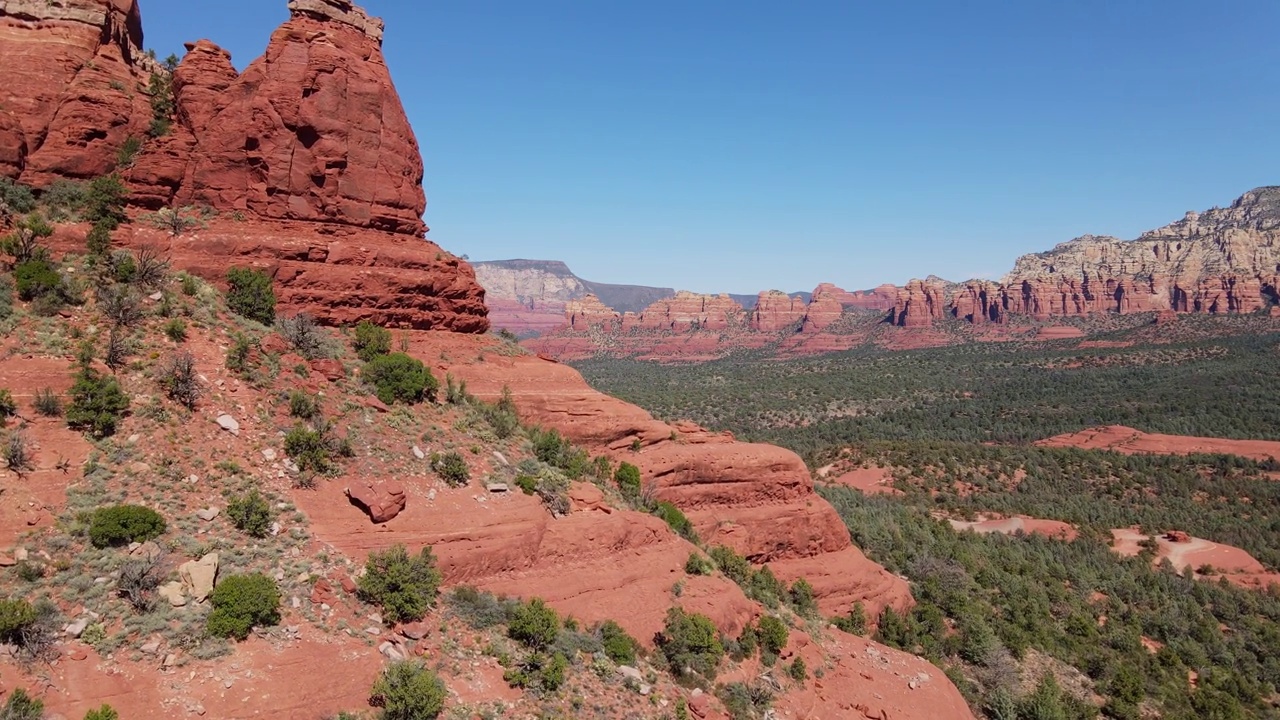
(743, 146)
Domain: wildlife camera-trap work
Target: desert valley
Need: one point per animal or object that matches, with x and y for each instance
(271, 452)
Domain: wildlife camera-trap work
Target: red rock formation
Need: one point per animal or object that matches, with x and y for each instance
(686, 311)
(313, 130)
(589, 312)
(381, 500)
(338, 274)
(73, 71)
(918, 304)
(13, 146)
(1224, 260)
(777, 312)
(978, 301)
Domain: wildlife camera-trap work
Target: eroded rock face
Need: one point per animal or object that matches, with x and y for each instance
(918, 304)
(777, 312)
(589, 312)
(1224, 260)
(313, 130)
(686, 311)
(73, 71)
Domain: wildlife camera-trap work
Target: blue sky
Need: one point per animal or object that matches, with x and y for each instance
(740, 145)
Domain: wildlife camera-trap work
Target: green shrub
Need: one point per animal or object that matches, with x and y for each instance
(190, 286)
(534, 624)
(690, 641)
(407, 690)
(309, 449)
(802, 599)
(176, 330)
(798, 670)
(98, 241)
(21, 706)
(618, 645)
(627, 477)
(404, 586)
(734, 566)
(764, 587)
(8, 407)
(238, 353)
(36, 279)
(855, 623)
(47, 403)
(400, 378)
(97, 403)
(527, 483)
(539, 672)
(371, 341)
(15, 198)
(250, 294)
(241, 603)
(697, 564)
(128, 151)
(65, 199)
(303, 405)
(773, 638)
(123, 524)
(479, 610)
(106, 712)
(676, 520)
(250, 513)
(15, 615)
(452, 468)
(104, 201)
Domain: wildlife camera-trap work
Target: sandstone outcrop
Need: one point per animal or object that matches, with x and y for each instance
(589, 312)
(75, 77)
(918, 304)
(777, 312)
(684, 312)
(312, 130)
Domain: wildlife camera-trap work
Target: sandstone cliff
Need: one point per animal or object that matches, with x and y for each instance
(307, 155)
(312, 130)
(1224, 260)
(74, 86)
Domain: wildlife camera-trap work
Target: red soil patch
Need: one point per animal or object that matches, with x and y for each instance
(1016, 524)
(33, 498)
(874, 480)
(1129, 441)
(1237, 566)
(1059, 332)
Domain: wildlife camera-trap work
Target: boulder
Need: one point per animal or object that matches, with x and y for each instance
(382, 501)
(198, 576)
(173, 593)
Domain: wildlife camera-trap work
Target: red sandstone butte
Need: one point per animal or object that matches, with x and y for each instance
(312, 130)
(918, 304)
